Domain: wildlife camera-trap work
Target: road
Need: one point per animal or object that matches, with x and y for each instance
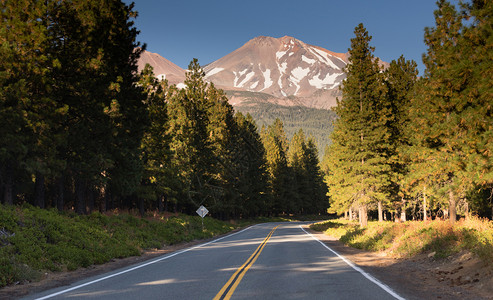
(265, 261)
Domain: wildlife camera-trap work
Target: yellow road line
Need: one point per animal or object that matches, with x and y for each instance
(228, 289)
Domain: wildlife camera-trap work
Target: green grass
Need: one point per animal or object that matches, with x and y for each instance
(411, 238)
(35, 240)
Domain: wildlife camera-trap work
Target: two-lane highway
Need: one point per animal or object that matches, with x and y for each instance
(266, 261)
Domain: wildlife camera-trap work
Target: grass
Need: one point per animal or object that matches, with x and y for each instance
(414, 237)
(34, 240)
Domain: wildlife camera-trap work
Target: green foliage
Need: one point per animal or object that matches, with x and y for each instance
(316, 123)
(359, 155)
(40, 240)
(451, 111)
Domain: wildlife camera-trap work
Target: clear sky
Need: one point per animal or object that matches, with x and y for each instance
(180, 30)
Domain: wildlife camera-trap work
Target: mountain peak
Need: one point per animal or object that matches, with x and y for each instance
(163, 68)
(281, 67)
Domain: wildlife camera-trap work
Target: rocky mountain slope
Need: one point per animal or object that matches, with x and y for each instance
(292, 72)
(279, 66)
(163, 68)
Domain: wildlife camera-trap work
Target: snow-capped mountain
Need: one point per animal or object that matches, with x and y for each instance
(163, 68)
(280, 67)
(283, 71)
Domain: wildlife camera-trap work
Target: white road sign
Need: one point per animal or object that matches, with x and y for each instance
(202, 211)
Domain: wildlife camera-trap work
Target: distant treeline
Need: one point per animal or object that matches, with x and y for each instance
(316, 123)
(82, 130)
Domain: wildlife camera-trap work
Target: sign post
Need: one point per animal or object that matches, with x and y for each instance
(202, 211)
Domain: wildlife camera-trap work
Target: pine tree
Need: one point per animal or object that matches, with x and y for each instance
(360, 172)
(158, 181)
(400, 78)
(249, 159)
(317, 189)
(187, 111)
(455, 110)
(299, 195)
(276, 146)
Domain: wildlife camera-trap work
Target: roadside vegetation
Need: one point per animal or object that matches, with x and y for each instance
(34, 240)
(438, 238)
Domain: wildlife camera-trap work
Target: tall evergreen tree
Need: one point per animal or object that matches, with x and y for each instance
(299, 197)
(360, 172)
(28, 109)
(276, 146)
(251, 168)
(400, 78)
(187, 110)
(317, 189)
(159, 180)
(453, 112)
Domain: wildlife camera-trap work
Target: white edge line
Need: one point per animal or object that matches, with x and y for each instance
(139, 266)
(352, 265)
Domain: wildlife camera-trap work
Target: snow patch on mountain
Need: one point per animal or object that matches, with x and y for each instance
(280, 54)
(308, 60)
(214, 71)
(325, 57)
(246, 79)
(299, 73)
(329, 82)
(268, 80)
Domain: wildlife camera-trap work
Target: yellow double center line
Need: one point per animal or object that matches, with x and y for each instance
(228, 289)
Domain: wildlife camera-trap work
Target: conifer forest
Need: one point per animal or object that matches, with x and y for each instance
(81, 129)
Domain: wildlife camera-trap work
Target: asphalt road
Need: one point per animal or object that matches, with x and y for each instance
(266, 261)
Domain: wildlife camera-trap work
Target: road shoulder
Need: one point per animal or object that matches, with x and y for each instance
(422, 277)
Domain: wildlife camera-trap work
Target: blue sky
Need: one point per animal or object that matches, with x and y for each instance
(180, 30)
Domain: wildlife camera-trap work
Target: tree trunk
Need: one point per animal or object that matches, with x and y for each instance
(141, 206)
(80, 201)
(90, 199)
(8, 188)
(467, 209)
(425, 214)
(380, 211)
(363, 215)
(403, 210)
(60, 201)
(39, 191)
(107, 199)
(452, 201)
(160, 204)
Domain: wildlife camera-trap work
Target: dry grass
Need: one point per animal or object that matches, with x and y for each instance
(415, 237)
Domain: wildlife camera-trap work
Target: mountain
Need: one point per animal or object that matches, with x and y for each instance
(274, 77)
(286, 68)
(163, 68)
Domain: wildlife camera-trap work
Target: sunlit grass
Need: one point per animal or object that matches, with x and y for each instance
(414, 237)
(36, 240)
